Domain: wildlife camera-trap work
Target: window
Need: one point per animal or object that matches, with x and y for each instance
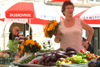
(97, 0)
(91, 0)
(94, 1)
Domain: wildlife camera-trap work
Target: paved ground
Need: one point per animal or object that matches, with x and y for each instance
(4, 65)
(1, 65)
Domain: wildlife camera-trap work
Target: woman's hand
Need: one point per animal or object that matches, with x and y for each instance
(57, 33)
(85, 45)
(57, 36)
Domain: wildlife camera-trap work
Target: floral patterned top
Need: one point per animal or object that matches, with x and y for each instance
(71, 36)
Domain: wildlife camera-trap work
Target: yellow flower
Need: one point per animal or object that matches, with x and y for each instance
(45, 31)
(36, 43)
(32, 43)
(21, 51)
(40, 47)
(50, 22)
(47, 25)
(22, 47)
(55, 23)
(51, 28)
(46, 35)
(22, 42)
(27, 42)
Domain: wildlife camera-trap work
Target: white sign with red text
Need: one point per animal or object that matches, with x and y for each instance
(24, 21)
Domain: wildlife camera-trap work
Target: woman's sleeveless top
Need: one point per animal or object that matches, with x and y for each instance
(71, 36)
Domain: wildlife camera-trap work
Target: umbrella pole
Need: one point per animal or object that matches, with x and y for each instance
(29, 28)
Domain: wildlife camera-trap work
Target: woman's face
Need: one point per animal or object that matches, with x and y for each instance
(69, 10)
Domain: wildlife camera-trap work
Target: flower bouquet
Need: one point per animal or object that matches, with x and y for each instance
(29, 46)
(51, 28)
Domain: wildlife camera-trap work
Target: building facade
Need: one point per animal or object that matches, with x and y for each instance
(80, 5)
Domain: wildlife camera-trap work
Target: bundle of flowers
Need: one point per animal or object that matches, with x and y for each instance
(29, 46)
(51, 28)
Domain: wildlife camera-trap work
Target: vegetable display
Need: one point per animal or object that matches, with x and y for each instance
(58, 57)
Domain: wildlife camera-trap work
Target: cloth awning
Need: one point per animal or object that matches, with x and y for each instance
(21, 10)
(39, 21)
(90, 15)
(37, 13)
(2, 19)
(24, 10)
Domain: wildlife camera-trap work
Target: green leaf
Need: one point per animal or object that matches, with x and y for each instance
(43, 42)
(12, 45)
(48, 42)
(44, 47)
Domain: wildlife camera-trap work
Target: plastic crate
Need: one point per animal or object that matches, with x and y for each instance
(6, 60)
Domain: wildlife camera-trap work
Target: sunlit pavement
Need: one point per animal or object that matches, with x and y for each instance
(1, 65)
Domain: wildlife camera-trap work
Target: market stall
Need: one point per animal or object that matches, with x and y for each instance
(68, 58)
(31, 50)
(34, 13)
(35, 54)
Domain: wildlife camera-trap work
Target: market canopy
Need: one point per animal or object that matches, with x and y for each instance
(2, 19)
(90, 16)
(47, 12)
(23, 10)
(38, 21)
(34, 11)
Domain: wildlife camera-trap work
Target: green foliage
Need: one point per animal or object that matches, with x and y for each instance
(13, 46)
(25, 61)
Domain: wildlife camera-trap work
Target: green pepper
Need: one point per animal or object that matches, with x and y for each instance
(79, 53)
(93, 57)
(84, 57)
(67, 58)
(78, 59)
(84, 61)
(58, 63)
(87, 52)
